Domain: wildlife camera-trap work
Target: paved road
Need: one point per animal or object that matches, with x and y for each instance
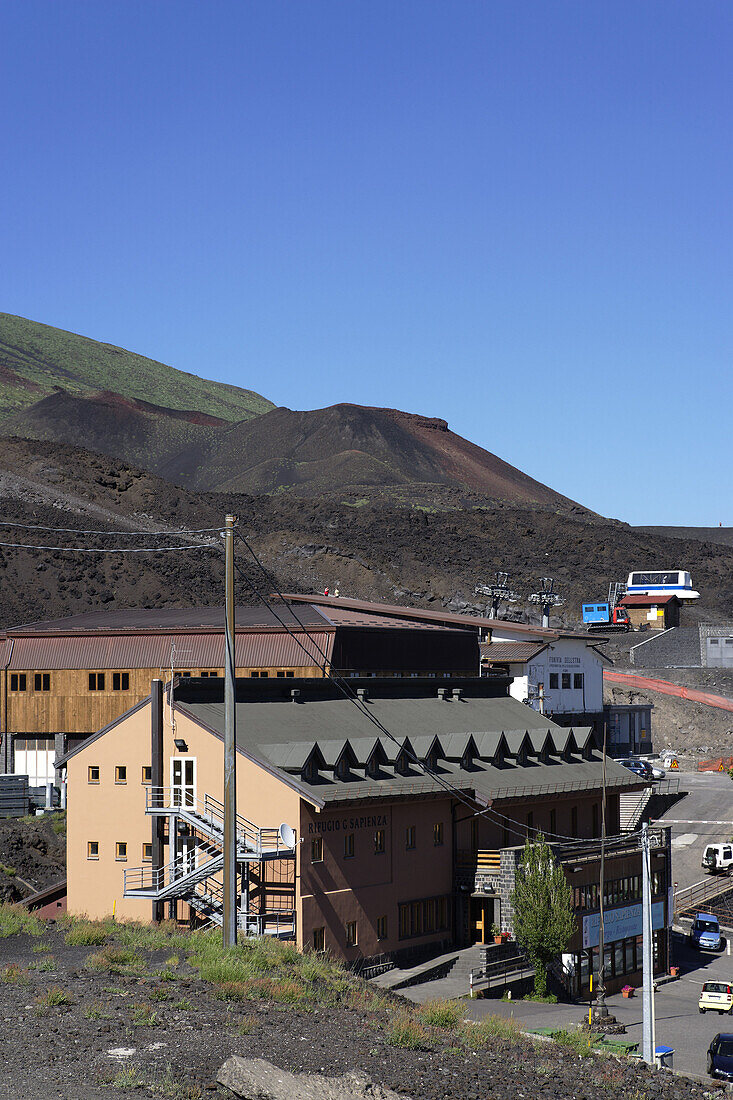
(678, 1021)
(703, 817)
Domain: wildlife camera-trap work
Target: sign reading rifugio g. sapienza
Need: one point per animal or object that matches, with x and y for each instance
(348, 824)
(619, 924)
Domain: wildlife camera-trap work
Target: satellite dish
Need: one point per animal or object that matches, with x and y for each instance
(287, 836)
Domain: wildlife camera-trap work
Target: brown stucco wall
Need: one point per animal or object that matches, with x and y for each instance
(370, 884)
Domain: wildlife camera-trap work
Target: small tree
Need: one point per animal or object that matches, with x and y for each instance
(543, 915)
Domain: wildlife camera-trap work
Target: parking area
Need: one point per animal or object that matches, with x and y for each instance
(703, 817)
(678, 1021)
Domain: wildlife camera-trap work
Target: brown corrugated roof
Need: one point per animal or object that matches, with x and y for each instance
(195, 651)
(449, 618)
(344, 616)
(511, 651)
(155, 619)
(649, 600)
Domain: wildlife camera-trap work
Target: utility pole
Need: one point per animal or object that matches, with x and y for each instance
(600, 1010)
(647, 1052)
(230, 755)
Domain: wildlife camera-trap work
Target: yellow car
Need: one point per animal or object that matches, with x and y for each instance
(716, 997)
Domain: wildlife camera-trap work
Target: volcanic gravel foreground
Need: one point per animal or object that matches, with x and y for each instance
(79, 1021)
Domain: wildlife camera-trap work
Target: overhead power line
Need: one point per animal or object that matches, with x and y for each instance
(509, 823)
(110, 550)
(96, 531)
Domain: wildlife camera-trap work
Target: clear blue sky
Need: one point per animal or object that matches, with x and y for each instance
(516, 216)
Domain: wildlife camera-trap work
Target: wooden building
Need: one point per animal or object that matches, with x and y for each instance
(381, 852)
(652, 612)
(63, 680)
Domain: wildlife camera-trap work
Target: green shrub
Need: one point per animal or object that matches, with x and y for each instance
(145, 1016)
(97, 1011)
(490, 1028)
(447, 1014)
(126, 1078)
(54, 997)
(43, 964)
(14, 975)
(15, 919)
(580, 1041)
(86, 934)
(151, 937)
(408, 1033)
(115, 960)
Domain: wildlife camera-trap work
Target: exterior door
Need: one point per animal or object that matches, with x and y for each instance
(482, 915)
(183, 780)
(187, 853)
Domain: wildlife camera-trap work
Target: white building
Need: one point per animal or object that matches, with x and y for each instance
(555, 672)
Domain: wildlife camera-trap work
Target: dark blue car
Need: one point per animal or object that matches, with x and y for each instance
(705, 933)
(720, 1056)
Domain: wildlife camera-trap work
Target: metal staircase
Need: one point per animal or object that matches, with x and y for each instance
(195, 875)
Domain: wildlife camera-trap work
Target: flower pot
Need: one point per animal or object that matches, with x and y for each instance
(498, 939)
(627, 993)
(674, 971)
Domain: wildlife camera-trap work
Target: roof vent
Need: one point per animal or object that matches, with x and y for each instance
(362, 693)
(295, 695)
(458, 693)
(443, 693)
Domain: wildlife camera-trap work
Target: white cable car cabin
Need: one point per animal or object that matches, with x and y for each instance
(663, 582)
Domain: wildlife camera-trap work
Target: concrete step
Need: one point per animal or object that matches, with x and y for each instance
(453, 967)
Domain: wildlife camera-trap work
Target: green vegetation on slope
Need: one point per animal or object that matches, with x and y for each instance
(35, 358)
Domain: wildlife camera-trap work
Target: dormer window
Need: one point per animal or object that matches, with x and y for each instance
(345, 761)
(375, 761)
(314, 762)
(341, 768)
(402, 763)
(469, 755)
(569, 748)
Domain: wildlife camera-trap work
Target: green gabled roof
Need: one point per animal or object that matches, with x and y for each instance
(283, 734)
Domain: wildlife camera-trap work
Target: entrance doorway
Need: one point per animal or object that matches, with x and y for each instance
(482, 918)
(183, 780)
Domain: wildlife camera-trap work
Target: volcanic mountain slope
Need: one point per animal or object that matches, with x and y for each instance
(379, 552)
(135, 432)
(347, 447)
(35, 359)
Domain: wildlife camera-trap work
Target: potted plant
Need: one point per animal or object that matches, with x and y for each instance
(496, 933)
(627, 991)
(674, 971)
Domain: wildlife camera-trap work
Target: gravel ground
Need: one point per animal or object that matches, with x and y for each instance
(148, 1035)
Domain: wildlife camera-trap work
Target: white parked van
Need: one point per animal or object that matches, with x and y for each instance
(718, 858)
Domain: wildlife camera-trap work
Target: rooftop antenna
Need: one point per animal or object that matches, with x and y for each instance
(177, 659)
(547, 598)
(496, 593)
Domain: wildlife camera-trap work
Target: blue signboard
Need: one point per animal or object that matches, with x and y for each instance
(619, 924)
